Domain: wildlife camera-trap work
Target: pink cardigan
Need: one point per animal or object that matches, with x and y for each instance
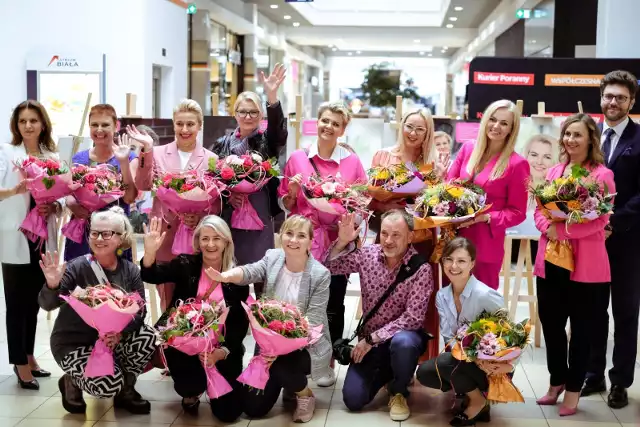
(508, 198)
(587, 239)
(166, 158)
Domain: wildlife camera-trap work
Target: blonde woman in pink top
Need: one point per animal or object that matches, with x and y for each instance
(326, 158)
(573, 295)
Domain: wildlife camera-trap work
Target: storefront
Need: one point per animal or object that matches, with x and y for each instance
(226, 62)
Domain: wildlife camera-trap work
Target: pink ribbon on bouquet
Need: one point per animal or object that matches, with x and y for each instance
(245, 217)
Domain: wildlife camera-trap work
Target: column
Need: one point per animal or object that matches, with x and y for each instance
(200, 60)
(617, 31)
(250, 46)
(511, 42)
(574, 27)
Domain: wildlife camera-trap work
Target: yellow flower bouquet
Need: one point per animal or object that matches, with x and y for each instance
(400, 181)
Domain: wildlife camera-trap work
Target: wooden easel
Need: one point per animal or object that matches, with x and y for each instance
(297, 122)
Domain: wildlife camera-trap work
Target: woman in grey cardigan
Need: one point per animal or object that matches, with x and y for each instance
(291, 274)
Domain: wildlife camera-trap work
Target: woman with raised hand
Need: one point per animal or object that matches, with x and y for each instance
(107, 149)
(213, 248)
(183, 154)
(72, 340)
(292, 275)
(31, 136)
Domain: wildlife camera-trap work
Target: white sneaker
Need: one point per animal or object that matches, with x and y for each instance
(327, 380)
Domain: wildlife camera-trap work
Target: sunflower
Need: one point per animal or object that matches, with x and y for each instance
(455, 192)
(382, 175)
(488, 325)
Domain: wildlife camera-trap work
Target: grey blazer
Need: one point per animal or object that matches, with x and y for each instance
(312, 300)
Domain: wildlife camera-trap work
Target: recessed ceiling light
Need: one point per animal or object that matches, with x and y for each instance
(287, 16)
(334, 49)
(296, 24)
(453, 18)
(443, 51)
(533, 41)
(458, 8)
(445, 47)
(449, 25)
(431, 54)
(358, 53)
(416, 41)
(350, 53)
(274, 6)
(421, 53)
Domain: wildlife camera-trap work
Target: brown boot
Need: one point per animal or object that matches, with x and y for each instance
(72, 399)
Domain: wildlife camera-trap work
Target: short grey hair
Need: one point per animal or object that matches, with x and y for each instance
(119, 221)
(219, 226)
(399, 213)
(151, 132)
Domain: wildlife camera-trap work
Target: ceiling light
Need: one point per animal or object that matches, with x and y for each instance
(533, 41)
(416, 41)
(443, 51)
(453, 18)
(358, 53)
(274, 6)
(287, 16)
(431, 54)
(334, 49)
(445, 47)
(458, 8)
(421, 53)
(350, 53)
(449, 25)
(296, 24)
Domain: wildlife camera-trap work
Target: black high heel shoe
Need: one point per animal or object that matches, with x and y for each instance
(27, 385)
(462, 419)
(40, 373)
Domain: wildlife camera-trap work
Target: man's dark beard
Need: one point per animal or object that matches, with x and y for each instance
(623, 113)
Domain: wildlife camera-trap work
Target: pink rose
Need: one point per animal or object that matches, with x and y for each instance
(317, 191)
(289, 325)
(276, 325)
(340, 188)
(90, 187)
(247, 162)
(266, 165)
(227, 173)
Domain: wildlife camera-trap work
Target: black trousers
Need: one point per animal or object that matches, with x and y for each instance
(335, 306)
(190, 380)
(561, 299)
(446, 373)
(287, 372)
(22, 284)
(624, 258)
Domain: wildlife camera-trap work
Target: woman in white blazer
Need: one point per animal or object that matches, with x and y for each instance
(23, 279)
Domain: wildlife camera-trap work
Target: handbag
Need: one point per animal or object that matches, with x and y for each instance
(342, 347)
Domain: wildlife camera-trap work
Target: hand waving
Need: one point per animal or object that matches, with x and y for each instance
(153, 236)
(273, 82)
(347, 230)
(52, 269)
(215, 275)
(121, 149)
(141, 136)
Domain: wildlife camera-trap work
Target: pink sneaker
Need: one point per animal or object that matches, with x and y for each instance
(305, 406)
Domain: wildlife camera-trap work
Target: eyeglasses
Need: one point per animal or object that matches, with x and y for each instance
(462, 263)
(106, 235)
(620, 99)
(417, 130)
(244, 113)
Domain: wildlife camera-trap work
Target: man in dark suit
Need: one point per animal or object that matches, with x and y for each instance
(621, 146)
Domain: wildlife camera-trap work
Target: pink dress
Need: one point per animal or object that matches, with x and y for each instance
(348, 169)
(508, 198)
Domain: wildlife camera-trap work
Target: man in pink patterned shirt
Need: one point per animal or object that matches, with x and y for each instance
(392, 341)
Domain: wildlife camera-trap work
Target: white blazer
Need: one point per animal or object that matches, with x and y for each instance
(14, 248)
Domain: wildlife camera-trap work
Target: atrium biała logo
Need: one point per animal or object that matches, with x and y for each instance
(63, 62)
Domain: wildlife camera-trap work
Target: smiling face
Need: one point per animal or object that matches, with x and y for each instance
(576, 141)
(500, 125)
(330, 127)
(104, 237)
(458, 265)
(296, 241)
(212, 245)
(414, 131)
(395, 236)
(442, 145)
(186, 127)
(102, 129)
(29, 124)
(616, 102)
(248, 116)
(540, 159)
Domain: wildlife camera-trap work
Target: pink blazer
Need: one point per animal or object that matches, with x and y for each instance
(587, 239)
(507, 195)
(165, 158)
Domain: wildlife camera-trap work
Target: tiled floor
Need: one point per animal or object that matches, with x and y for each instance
(43, 408)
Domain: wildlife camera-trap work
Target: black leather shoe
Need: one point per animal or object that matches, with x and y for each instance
(462, 419)
(617, 397)
(593, 387)
(27, 385)
(41, 373)
(191, 408)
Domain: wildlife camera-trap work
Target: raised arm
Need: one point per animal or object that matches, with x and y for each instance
(59, 280)
(342, 257)
(276, 133)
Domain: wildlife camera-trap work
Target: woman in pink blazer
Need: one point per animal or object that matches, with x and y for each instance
(185, 153)
(564, 294)
(492, 164)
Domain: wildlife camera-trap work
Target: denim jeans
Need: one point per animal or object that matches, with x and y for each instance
(391, 363)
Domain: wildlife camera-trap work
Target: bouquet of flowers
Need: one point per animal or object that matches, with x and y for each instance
(48, 181)
(575, 199)
(195, 327)
(245, 174)
(108, 310)
(278, 328)
(185, 193)
(400, 181)
(98, 187)
(494, 342)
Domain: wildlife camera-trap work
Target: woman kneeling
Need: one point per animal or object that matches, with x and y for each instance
(72, 340)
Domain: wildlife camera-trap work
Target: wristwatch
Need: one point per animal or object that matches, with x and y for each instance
(369, 339)
(226, 351)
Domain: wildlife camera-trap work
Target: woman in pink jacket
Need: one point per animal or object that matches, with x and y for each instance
(492, 164)
(185, 153)
(564, 294)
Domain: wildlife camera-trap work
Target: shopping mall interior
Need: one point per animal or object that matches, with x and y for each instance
(383, 61)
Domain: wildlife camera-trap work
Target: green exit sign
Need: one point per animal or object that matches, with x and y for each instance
(523, 13)
(192, 9)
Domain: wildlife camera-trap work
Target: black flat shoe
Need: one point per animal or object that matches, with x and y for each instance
(618, 397)
(462, 419)
(27, 385)
(41, 373)
(593, 387)
(191, 408)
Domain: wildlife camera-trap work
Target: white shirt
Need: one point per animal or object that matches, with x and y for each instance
(184, 159)
(339, 153)
(475, 298)
(615, 137)
(288, 286)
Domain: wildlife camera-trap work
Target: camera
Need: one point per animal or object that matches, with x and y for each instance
(342, 351)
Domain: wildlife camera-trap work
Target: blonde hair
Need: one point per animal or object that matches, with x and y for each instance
(189, 106)
(248, 96)
(438, 134)
(119, 221)
(595, 156)
(428, 146)
(545, 139)
(336, 107)
(482, 144)
(218, 225)
(297, 222)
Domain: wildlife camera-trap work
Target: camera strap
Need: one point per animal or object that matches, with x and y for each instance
(405, 272)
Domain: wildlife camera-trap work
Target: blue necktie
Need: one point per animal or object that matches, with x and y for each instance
(606, 147)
